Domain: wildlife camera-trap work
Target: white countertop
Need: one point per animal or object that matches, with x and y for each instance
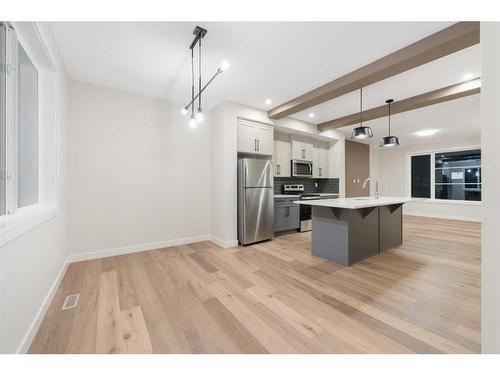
(298, 196)
(355, 203)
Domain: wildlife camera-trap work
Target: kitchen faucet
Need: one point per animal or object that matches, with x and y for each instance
(376, 185)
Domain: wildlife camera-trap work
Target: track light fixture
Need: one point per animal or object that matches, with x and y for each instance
(361, 132)
(199, 33)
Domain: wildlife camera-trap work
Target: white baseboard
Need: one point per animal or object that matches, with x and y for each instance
(78, 257)
(35, 325)
(445, 217)
(222, 243)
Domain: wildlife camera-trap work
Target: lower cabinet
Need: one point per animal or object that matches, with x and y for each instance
(286, 214)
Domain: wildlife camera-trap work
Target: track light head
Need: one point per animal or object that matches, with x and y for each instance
(199, 115)
(192, 121)
(224, 65)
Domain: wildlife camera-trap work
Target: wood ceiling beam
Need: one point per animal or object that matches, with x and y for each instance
(445, 42)
(445, 94)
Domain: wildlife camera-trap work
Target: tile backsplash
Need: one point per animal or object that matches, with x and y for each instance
(325, 185)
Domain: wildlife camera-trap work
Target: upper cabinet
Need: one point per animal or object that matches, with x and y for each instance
(255, 138)
(281, 155)
(320, 160)
(302, 150)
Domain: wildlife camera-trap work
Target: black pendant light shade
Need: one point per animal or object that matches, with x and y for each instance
(361, 132)
(390, 140)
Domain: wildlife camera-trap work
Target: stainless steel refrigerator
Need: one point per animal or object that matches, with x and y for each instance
(255, 200)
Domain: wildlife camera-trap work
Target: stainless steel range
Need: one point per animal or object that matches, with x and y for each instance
(305, 211)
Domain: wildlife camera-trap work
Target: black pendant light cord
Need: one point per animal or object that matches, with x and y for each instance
(199, 76)
(361, 105)
(389, 119)
(389, 102)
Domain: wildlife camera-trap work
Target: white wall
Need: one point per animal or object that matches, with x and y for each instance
(31, 264)
(223, 212)
(390, 167)
(490, 120)
(139, 178)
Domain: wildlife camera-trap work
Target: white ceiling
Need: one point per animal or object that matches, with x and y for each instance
(276, 60)
(269, 60)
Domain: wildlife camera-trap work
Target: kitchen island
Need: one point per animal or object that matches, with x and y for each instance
(348, 230)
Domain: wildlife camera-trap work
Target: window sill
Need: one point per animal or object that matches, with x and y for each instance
(446, 201)
(24, 220)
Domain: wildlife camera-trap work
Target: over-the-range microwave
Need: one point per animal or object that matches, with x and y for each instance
(302, 168)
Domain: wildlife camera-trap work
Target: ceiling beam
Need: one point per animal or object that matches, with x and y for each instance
(445, 42)
(445, 94)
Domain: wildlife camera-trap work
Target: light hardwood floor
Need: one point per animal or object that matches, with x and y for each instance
(274, 297)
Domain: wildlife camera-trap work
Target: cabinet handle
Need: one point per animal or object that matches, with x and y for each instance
(320, 172)
(278, 169)
(303, 154)
(255, 145)
(287, 211)
(258, 145)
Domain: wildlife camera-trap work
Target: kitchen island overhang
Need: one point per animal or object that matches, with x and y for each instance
(348, 230)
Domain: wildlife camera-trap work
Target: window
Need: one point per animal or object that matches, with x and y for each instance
(27, 186)
(3, 118)
(454, 175)
(458, 175)
(421, 176)
(18, 125)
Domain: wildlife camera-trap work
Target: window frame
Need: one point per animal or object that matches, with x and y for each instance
(12, 128)
(432, 153)
(34, 40)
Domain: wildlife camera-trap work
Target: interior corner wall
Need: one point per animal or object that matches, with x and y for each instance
(390, 167)
(490, 120)
(139, 177)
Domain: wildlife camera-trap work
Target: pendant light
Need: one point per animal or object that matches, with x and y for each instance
(361, 132)
(390, 140)
(197, 117)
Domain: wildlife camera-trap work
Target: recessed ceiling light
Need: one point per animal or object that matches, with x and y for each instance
(467, 77)
(268, 101)
(311, 115)
(426, 133)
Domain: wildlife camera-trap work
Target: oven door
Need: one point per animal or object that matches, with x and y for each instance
(305, 214)
(302, 168)
(305, 218)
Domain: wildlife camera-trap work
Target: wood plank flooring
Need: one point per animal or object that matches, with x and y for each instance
(275, 297)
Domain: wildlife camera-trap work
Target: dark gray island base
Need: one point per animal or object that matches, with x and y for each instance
(348, 230)
(347, 236)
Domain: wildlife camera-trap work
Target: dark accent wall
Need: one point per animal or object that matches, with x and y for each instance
(325, 185)
(357, 169)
